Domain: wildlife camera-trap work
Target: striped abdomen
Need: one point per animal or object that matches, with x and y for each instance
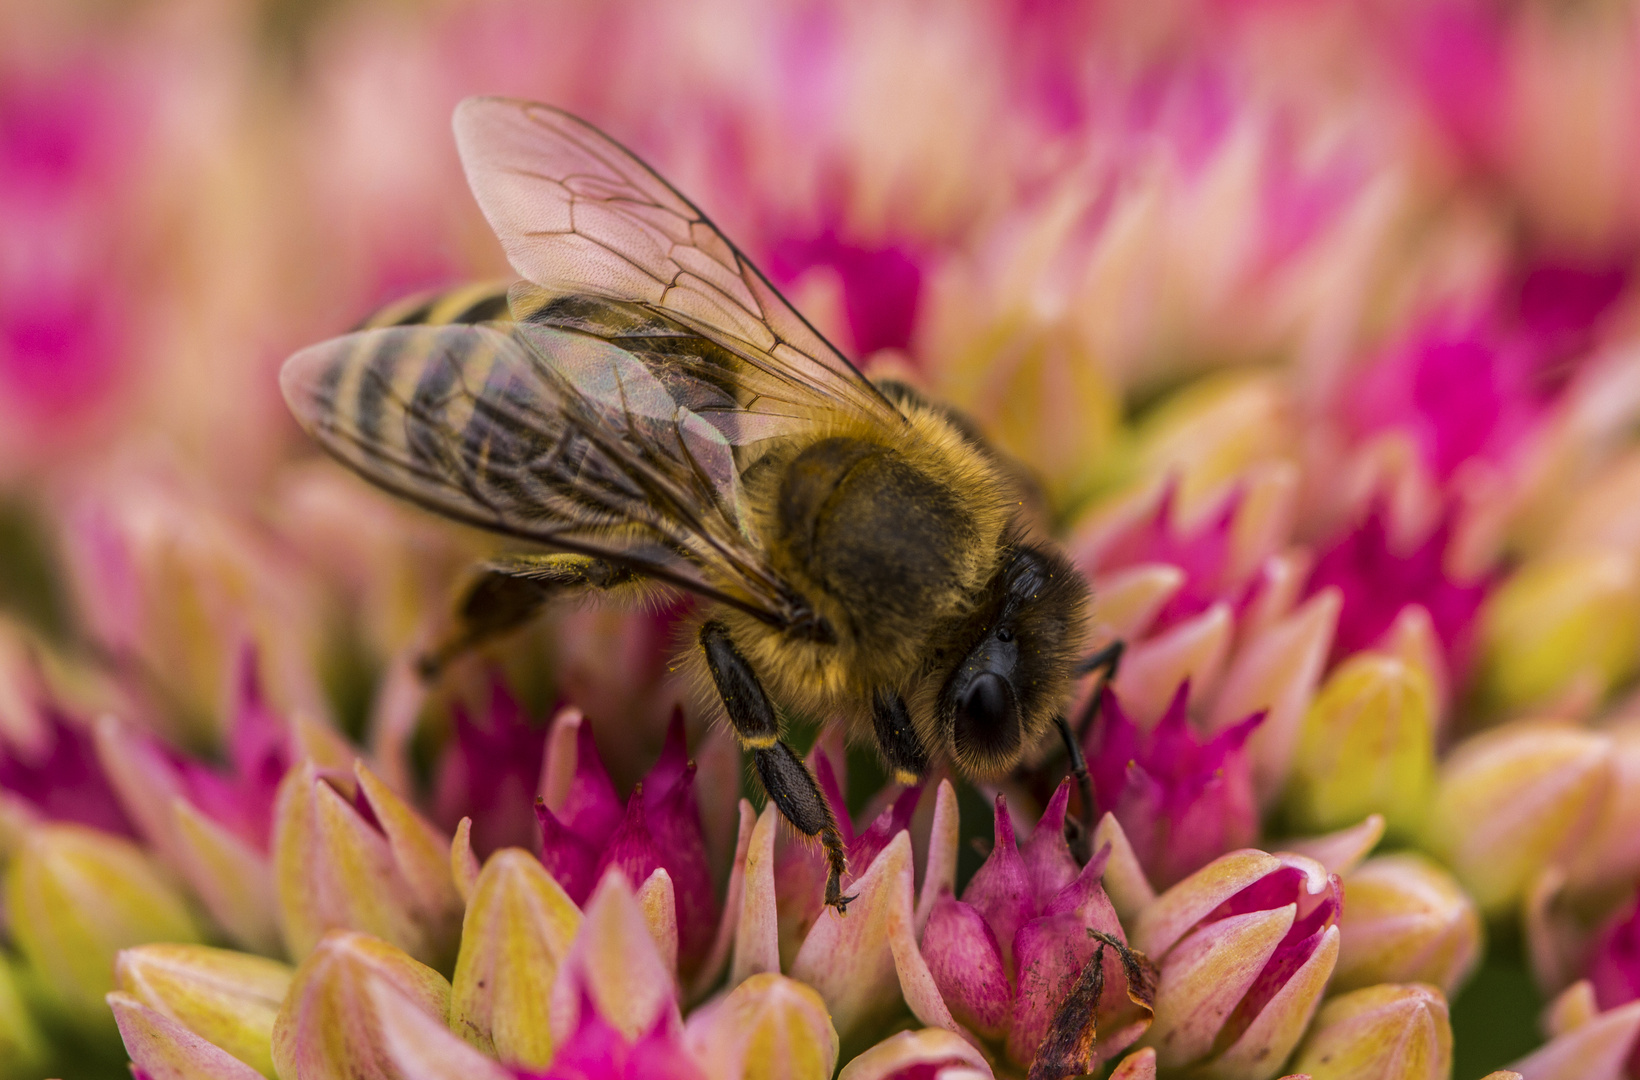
(480, 302)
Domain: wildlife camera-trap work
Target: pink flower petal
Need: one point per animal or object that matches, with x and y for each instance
(1000, 889)
(597, 1050)
(966, 962)
(1182, 799)
(1049, 864)
(1051, 953)
(569, 857)
(894, 819)
(1376, 582)
(757, 935)
(490, 771)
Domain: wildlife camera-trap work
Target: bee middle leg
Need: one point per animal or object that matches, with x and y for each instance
(509, 591)
(897, 737)
(786, 779)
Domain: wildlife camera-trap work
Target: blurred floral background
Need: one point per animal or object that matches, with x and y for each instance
(1316, 321)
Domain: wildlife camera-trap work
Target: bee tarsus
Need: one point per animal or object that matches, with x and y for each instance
(1078, 832)
(792, 788)
(834, 897)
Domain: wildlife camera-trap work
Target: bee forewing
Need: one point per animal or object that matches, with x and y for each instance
(551, 199)
(578, 214)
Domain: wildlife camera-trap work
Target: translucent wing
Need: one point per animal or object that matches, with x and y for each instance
(549, 435)
(579, 214)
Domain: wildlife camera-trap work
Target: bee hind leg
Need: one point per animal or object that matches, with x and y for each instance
(785, 778)
(505, 593)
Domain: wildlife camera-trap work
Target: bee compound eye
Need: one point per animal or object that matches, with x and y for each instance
(987, 722)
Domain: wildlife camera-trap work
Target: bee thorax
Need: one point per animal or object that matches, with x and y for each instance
(883, 540)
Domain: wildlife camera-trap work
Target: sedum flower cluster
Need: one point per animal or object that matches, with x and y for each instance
(1313, 326)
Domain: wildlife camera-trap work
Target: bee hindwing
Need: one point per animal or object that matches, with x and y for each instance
(544, 434)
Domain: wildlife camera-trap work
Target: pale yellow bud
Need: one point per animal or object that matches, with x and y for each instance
(518, 929)
(767, 1028)
(1558, 619)
(76, 897)
(1386, 1032)
(1367, 746)
(1406, 920)
(329, 1027)
(228, 998)
(1511, 801)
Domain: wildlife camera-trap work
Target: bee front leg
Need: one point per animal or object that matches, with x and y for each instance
(786, 779)
(1105, 660)
(508, 592)
(1082, 841)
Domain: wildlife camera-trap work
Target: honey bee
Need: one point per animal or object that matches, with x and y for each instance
(645, 405)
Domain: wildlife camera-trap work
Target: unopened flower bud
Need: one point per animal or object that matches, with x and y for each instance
(1607, 858)
(1210, 432)
(585, 830)
(1182, 799)
(1511, 801)
(328, 1027)
(211, 824)
(1597, 1049)
(1406, 920)
(867, 962)
(1561, 618)
(162, 1049)
(1368, 746)
(1193, 651)
(517, 931)
(228, 998)
(350, 854)
(1275, 671)
(423, 1048)
(613, 968)
(1127, 601)
(768, 1026)
(1245, 945)
(1036, 391)
(21, 1046)
(174, 557)
(75, 898)
(1029, 928)
(929, 1054)
(1393, 1031)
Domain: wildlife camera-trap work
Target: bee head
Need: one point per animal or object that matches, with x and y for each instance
(1007, 689)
